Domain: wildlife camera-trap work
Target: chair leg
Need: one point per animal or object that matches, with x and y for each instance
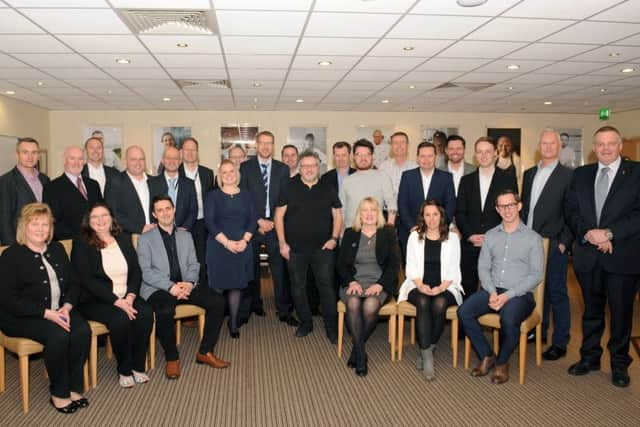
(2, 379)
(496, 341)
(152, 346)
(340, 333)
(24, 382)
(85, 376)
(454, 341)
(400, 336)
(201, 326)
(178, 330)
(93, 360)
(523, 355)
(108, 348)
(539, 345)
(392, 336)
(413, 331)
(467, 352)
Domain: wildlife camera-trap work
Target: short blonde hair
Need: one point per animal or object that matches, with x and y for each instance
(27, 214)
(357, 221)
(228, 162)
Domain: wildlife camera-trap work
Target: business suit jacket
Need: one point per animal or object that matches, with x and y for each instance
(69, 205)
(126, 205)
(206, 177)
(620, 213)
(186, 203)
(110, 173)
(97, 286)
(411, 197)
(331, 177)
(14, 194)
(470, 217)
(387, 254)
(25, 285)
(251, 180)
(548, 219)
(154, 261)
(467, 168)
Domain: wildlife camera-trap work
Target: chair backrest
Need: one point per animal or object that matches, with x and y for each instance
(134, 240)
(2, 248)
(538, 293)
(68, 245)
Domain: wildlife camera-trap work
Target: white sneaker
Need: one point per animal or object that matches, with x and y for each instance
(140, 377)
(127, 382)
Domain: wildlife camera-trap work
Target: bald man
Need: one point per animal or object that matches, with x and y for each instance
(70, 194)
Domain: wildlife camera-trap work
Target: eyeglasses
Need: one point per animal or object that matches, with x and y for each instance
(308, 166)
(507, 206)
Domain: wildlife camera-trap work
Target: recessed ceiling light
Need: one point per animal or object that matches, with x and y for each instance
(255, 100)
(548, 102)
(123, 61)
(408, 48)
(513, 67)
(412, 86)
(385, 101)
(166, 99)
(40, 83)
(256, 84)
(510, 88)
(614, 54)
(109, 91)
(10, 92)
(324, 63)
(628, 70)
(603, 90)
(362, 126)
(182, 45)
(470, 3)
(299, 100)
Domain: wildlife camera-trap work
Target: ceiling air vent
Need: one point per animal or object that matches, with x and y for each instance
(474, 87)
(223, 84)
(164, 21)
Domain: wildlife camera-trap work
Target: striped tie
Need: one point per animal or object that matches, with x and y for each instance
(265, 175)
(83, 190)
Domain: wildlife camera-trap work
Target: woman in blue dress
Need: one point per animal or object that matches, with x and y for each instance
(230, 218)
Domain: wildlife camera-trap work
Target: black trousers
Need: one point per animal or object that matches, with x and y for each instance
(129, 338)
(64, 352)
(599, 287)
(431, 315)
(164, 305)
(199, 234)
(469, 268)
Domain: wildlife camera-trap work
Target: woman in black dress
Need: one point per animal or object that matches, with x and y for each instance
(230, 218)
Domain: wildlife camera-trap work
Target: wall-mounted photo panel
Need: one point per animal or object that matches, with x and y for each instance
(310, 138)
(243, 136)
(381, 152)
(111, 137)
(508, 140)
(571, 150)
(164, 136)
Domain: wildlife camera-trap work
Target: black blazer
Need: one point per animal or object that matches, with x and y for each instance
(548, 218)
(25, 283)
(68, 205)
(470, 217)
(126, 205)
(387, 254)
(331, 177)
(186, 204)
(110, 174)
(98, 287)
(620, 213)
(206, 177)
(14, 194)
(251, 181)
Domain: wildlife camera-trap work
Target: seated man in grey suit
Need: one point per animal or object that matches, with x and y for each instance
(170, 272)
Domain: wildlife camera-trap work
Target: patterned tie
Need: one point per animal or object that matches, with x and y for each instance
(83, 190)
(265, 175)
(173, 184)
(602, 188)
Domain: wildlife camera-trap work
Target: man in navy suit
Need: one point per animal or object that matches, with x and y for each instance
(180, 189)
(265, 178)
(423, 183)
(95, 168)
(341, 164)
(603, 210)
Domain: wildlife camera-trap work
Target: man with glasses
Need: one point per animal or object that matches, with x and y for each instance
(510, 266)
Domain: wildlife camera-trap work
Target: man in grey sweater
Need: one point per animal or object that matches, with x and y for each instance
(510, 266)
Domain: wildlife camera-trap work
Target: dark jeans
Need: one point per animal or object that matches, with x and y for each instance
(321, 262)
(469, 268)
(619, 290)
(199, 234)
(513, 312)
(164, 305)
(556, 299)
(431, 314)
(64, 352)
(129, 338)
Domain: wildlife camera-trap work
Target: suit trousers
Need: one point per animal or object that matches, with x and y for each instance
(64, 352)
(164, 305)
(599, 287)
(556, 299)
(129, 338)
(513, 312)
(469, 268)
(200, 235)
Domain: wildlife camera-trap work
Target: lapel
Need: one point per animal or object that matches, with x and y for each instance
(617, 183)
(420, 183)
(72, 185)
(25, 188)
(548, 188)
(491, 194)
(475, 193)
(159, 243)
(134, 194)
(590, 192)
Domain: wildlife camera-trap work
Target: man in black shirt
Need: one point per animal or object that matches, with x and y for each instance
(308, 221)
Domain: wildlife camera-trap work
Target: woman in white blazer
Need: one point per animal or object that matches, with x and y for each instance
(433, 279)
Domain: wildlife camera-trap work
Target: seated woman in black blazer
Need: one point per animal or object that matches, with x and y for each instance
(39, 293)
(107, 264)
(368, 267)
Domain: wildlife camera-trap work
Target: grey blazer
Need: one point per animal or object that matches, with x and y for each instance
(154, 261)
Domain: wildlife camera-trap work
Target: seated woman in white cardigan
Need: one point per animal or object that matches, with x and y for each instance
(433, 279)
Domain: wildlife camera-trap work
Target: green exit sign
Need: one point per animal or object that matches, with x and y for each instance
(605, 113)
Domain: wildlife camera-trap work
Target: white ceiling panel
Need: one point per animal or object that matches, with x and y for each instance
(571, 67)
(258, 61)
(431, 76)
(330, 75)
(95, 84)
(610, 54)
(626, 12)
(615, 70)
(548, 51)
(435, 27)
(262, 5)
(259, 45)
(514, 29)
(136, 73)
(245, 74)
(539, 78)
(379, 6)
(103, 43)
(478, 77)
(197, 73)
(452, 64)
(594, 32)
(249, 83)
(7, 61)
(263, 23)
(348, 25)
(13, 22)
(149, 83)
(310, 62)
(480, 49)
(448, 7)
(500, 66)
(162, 4)
(58, 3)
(57, 60)
(630, 41)
(309, 84)
(359, 86)
(585, 80)
(169, 43)
(196, 61)
(61, 92)
(419, 48)
(27, 43)
(22, 73)
(108, 60)
(388, 63)
(76, 73)
(334, 46)
(78, 21)
(559, 9)
(34, 83)
(257, 92)
(373, 76)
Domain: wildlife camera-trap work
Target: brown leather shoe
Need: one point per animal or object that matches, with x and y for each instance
(484, 367)
(500, 374)
(211, 360)
(172, 369)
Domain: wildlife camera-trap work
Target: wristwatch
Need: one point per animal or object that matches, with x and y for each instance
(608, 233)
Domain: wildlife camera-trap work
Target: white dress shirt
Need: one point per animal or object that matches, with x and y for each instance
(196, 179)
(457, 174)
(613, 170)
(394, 170)
(485, 183)
(426, 182)
(97, 173)
(142, 189)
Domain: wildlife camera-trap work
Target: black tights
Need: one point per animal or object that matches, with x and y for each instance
(233, 299)
(431, 313)
(362, 318)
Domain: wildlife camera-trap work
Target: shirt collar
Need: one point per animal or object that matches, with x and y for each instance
(164, 233)
(28, 172)
(134, 179)
(99, 168)
(73, 178)
(551, 166)
(614, 166)
(521, 227)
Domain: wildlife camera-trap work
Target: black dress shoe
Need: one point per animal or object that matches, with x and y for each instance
(81, 403)
(362, 368)
(583, 368)
(259, 312)
(69, 409)
(554, 353)
(290, 320)
(620, 378)
(303, 331)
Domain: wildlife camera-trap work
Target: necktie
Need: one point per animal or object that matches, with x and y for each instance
(173, 184)
(265, 175)
(83, 190)
(602, 188)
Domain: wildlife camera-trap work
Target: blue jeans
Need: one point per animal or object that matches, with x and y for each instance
(556, 298)
(513, 312)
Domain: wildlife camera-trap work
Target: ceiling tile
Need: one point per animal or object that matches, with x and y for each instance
(452, 64)
(196, 61)
(95, 84)
(262, 5)
(78, 21)
(578, 80)
(559, 9)
(548, 51)
(57, 60)
(197, 73)
(373, 76)
(388, 63)
(22, 73)
(136, 73)
(249, 83)
(310, 62)
(614, 70)
(12, 22)
(256, 92)
(630, 41)
(420, 48)
(480, 49)
(331, 75)
(431, 76)
(169, 43)
(259, 45)
(514, 29)
(478, 77)
(258, 61)
(500, 66)
(103, 44)
(263, 23)
(360, 86)
(610, 54)
(108, 60)
(626, 12)
(379, 6)
(48, 82)
(568, 67)
(7, 61)
(149, 83)
(539, 78)
(348, 25)
(245, 74)
(314, 84)
(334, 46)
(162, 4)
(31, 43)
(58, 3)
(435, 27)
(594, 32)
(76, 73)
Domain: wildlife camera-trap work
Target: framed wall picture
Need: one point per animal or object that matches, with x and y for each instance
(310, 138)
(571, 149)
(508, 141)
(243, 136)
(111, 137)
(164, 136)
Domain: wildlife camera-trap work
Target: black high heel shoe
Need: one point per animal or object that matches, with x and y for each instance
(83, 402)
(69, 409)
(362, 368)
(235, 335)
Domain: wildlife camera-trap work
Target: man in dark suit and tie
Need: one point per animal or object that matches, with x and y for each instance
(455, 165)
(20, 186)
(603, 210)
(69, 195)
(95, 167)
(423, 183)
(341, 164)
(265, 178)
(475, 213)
(180, 189)
(544, 188)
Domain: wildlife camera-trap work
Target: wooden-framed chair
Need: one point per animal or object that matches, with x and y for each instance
(492, 320)
(405, 308)
(182, 311)
(389, 309)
